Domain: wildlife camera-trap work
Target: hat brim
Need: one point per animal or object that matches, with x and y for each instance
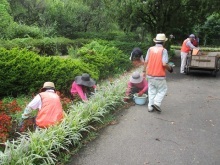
(136, 81)
(160, 40)
(89, 83)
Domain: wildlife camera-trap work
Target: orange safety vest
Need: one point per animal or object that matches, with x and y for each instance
(51, 111)
(155, 66)
(184, 47)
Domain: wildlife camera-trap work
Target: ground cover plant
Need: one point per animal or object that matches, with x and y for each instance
(43, 145)
(10, 116)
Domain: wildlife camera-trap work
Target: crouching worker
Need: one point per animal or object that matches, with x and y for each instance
(137, 84)
(49, 107)
(82, 87)
(137, 57)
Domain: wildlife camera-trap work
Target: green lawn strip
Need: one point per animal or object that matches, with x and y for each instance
(44, 145)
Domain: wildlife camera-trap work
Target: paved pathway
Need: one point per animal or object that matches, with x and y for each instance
(187, 132)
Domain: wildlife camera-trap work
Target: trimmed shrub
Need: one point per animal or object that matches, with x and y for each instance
(24, 72)
(109, 60)
(46, 46)
(124, 42)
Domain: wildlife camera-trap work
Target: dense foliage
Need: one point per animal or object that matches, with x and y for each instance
(24, 71)
(109, 60)
(44, 46)
(40, 18)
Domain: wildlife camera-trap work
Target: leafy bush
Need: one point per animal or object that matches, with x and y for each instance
(5, 18)
(24, 72)
(24, 31)
(124, 42)
(44, 46)
(109, 60)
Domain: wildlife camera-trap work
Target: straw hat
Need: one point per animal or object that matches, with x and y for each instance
(161, 37)
(49, 85)
(85, 80)
(136, 78)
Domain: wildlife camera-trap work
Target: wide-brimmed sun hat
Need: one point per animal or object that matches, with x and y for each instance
(161, 37)
(84, 80)
(191, 36)
(136, 78)
(49, 85)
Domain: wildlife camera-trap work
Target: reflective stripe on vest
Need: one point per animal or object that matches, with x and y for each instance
(51, 111)
(155, 66)
(184, 47)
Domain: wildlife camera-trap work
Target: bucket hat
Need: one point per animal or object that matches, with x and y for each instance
(161, 37)
(84, 80)
(191, 36)
(49, 85)
(136, 78)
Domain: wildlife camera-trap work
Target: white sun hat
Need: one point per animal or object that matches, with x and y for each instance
(161, 37)
(48, 85)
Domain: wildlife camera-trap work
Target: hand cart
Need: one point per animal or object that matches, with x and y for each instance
(203, 61)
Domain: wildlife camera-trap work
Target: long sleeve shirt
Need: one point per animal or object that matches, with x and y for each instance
(190, 45)
(36, 103)
(78, 89)
(143, 86)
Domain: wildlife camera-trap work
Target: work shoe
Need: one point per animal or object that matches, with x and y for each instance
(156, 107)
(150, 109)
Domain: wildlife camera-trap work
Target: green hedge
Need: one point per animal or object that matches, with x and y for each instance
(44, 46)
(60, 46)
(108, 59)
(24, 72)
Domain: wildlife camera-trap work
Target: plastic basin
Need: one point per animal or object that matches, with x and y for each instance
(140, 100)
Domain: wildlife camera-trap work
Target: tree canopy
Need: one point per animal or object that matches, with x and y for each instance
(66, 17)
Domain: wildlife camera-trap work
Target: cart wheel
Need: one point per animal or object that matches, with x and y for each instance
(214, 73)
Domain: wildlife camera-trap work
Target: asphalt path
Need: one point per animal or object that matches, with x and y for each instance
(187, 132)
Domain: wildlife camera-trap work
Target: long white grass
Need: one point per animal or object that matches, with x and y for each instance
(39, 147)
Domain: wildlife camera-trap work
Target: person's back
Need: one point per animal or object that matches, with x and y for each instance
(156, 64)
(51, 111)
(49, 107)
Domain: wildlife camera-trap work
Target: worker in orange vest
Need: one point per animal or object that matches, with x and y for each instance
(187, 46)
(155, 67)
(49, 107)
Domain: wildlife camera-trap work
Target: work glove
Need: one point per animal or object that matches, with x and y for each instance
(140, 93)
(125, 99)
(171, 69)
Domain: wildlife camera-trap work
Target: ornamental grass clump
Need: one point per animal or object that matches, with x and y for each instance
(44, 145)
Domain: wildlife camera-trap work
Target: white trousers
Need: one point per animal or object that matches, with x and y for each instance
(157, 89)
(183, 61)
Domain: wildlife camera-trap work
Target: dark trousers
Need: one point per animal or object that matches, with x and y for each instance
(135, 90)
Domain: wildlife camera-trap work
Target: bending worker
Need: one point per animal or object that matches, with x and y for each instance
(187, 46)
(83, 86)
(137, 84)
(49, 107)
